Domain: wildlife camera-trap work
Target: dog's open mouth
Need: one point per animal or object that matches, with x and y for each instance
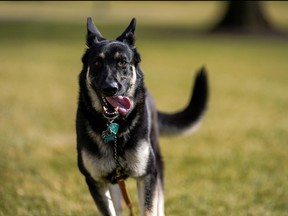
(116, 105)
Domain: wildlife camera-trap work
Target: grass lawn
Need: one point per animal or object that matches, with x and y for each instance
(235, 164)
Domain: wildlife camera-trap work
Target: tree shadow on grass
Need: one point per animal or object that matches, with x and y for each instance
(28, 31)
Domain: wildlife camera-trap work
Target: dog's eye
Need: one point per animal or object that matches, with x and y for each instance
(98, 64)
(122, 63)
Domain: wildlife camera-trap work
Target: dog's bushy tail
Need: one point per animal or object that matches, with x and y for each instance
(189, 118)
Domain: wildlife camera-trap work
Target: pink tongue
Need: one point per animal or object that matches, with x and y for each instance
(123, 103)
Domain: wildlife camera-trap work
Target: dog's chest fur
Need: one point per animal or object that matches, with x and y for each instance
(134, 161)
(134, 154)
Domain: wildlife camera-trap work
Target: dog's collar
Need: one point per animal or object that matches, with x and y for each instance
(109, 118)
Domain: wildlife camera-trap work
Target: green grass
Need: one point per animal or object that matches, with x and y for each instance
(235, 164)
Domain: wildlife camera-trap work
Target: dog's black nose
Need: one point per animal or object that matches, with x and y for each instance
(109, 88)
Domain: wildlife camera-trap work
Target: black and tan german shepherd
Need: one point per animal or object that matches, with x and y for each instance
(112, 92)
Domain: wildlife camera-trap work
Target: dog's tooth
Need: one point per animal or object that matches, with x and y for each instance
(116, 109)
(104, 101)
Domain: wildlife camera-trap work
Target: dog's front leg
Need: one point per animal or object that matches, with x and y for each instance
(150, 195)
(101, 196)
(116, 196)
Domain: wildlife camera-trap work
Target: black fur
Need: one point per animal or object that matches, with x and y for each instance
(111, 69)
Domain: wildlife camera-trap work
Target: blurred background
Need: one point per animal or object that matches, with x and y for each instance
(235, 164)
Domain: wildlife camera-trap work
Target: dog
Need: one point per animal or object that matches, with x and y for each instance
(118, 125)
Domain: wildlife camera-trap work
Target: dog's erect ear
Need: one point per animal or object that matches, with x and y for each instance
(93, 34)
(128, 35)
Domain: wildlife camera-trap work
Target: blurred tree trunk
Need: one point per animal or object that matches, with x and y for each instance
(244, 17)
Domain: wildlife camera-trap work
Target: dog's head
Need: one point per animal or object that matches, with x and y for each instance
(111, 70)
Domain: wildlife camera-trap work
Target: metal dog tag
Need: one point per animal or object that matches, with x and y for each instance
(111, 133)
